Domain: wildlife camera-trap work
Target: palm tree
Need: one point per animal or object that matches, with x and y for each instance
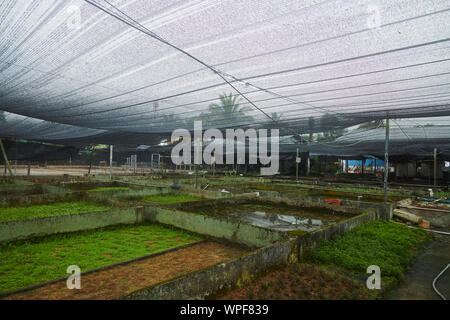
(228, 111)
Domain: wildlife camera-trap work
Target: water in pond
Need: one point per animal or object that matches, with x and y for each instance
(283, 219)
(280, 222)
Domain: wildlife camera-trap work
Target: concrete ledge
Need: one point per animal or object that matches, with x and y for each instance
(385, 211)
(201, 284)
(24, 229)
(242, 233)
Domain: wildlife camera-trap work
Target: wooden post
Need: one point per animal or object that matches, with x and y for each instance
(296, 167)
(5, 157)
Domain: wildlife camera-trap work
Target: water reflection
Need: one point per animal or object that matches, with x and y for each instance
(277, 221)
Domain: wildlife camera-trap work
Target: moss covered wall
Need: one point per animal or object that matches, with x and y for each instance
(209, 281)
(242, 233)
(23, 229)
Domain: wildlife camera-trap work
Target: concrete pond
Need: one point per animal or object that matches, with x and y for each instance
(274, 215)
(249, 232)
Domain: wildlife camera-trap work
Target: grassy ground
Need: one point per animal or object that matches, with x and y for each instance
(389, 245)
(29, 262)
(41, 211)
(301, 281)
(336, 269)
(172, 198)
(109, 189)
(377, 191)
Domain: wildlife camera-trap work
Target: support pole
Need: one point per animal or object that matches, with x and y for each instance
(308, 165)
(435, 166)
(5, 157)
(110, 161)
(196, 176)
(296, 167)
(386, 162)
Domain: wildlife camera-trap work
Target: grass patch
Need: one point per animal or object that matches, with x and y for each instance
(376, 191)
(389, 245)
(301, 281)
(442, 194)
(172, 198)
(29, 262)
(55, 209)
(109, 189)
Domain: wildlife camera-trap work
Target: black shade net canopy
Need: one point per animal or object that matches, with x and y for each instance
(130, 72)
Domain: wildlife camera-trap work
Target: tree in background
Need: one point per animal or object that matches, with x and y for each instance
(227, 112)
(372, 124)
(330, 121)
(311, 122)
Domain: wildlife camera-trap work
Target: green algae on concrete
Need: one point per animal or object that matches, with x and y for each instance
(216, 227)
(55, 209)
(109, 189)
(172, 198)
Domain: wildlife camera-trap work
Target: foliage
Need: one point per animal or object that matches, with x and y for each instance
(227, 111)
(311, 122)
(389, 245)
(55, 209)
(29, 262)
(326, 121)
(172, 198)
(372, 124)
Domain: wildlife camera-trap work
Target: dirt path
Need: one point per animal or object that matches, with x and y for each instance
(417, 284)
(124, 279)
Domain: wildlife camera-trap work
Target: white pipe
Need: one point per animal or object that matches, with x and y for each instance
(435, 279)
(435, 231)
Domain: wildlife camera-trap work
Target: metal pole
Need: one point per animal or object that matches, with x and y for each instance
(296, 167)
(196, 175)
(6, 158)
(386, 161)
(435, 166)
(110, 161)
